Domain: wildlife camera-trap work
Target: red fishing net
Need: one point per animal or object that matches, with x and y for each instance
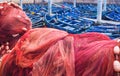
(13, 24)
(51, 52)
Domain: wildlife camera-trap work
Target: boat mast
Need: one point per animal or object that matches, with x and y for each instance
(21, 4)
(99, 11)
(105, 4)
(74, 4)
(50, 7)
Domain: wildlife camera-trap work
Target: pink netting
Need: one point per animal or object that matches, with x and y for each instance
(57, 61)
(51, 52)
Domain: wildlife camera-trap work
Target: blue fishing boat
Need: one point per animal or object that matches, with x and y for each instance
(114, 16)
(117, 9)
(74, 19)
(36, 15)
(112, 31)
(71, 26)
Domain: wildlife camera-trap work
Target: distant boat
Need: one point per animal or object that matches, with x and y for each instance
(66, 24)
(113, 31)
(113, 15)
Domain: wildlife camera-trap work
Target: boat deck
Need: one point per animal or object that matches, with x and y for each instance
(104, 21)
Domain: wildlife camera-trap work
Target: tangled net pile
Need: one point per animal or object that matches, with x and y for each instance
(52, 52)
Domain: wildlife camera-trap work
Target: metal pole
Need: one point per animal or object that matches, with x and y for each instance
(34, 2)
(105, 4)
(74, 3)
(21, 3)
(99, 11)
(50, 7)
